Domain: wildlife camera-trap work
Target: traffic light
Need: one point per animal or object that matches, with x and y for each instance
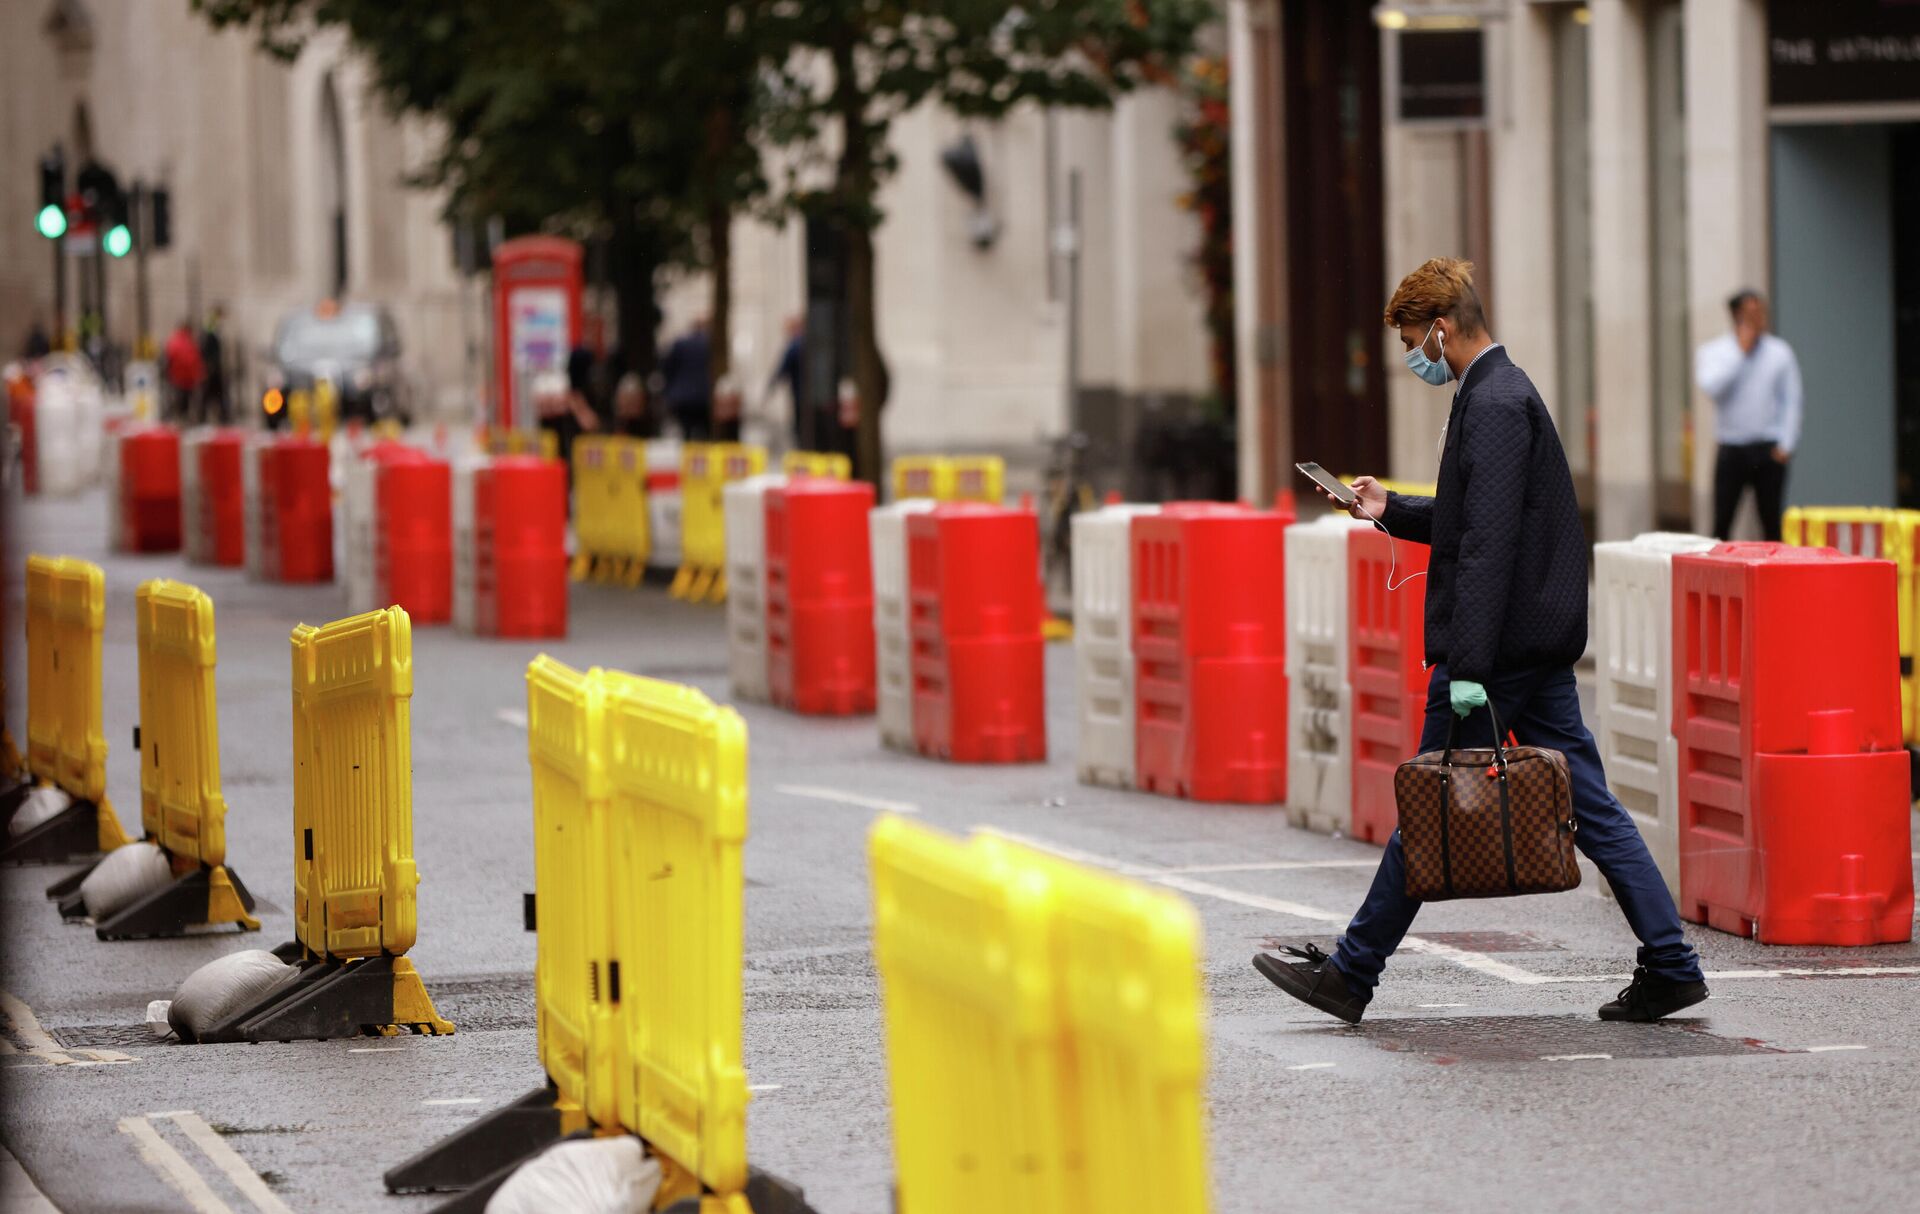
(160, 202)
(51, 219)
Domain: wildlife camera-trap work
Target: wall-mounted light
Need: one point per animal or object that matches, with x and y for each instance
(1389, 18)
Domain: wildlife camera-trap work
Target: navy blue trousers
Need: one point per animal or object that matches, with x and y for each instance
(1542, 708)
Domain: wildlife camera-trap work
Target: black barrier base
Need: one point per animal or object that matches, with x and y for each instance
(71, 834)
(325, 999)
(473, 1199)
(168, 911)
(766, 1193)
(14, 796)
(67, 888)
(509, 1135)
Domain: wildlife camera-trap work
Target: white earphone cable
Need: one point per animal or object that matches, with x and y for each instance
(1393, 552)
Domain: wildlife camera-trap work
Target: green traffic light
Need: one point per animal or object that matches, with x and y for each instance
(118, 240)
(52, 221)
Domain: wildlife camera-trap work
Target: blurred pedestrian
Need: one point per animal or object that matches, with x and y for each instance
(792, 371)
(1754, 381)
(184, 371)
(37, 345)
(688, 372)
(213, 389)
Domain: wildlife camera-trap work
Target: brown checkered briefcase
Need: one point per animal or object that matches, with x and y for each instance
(1486, 823)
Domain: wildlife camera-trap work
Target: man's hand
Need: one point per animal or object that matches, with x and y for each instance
(1781, 455)
(1372, 503)
(1466, 696)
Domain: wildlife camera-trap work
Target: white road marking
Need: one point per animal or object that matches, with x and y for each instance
(1576, 1057)
(1311, 1066)
(765, 1087)
(1828, 1049)
(228, 1160)
(837, 796)
(377, 1049)
(1313, 914)
(18, 1193)
(452, 1100)
(171, 1166)
(516, 717)
(1863, 971)
(1439, 1005)
(1271, 866)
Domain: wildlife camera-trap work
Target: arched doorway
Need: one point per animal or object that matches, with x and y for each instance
(333, 185)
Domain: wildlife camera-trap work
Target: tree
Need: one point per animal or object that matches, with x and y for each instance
(569, 115)
(980, 58)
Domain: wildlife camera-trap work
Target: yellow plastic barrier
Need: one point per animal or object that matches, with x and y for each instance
(978, 478)
(950, 478)
(610, 508)
(353, 869)
(829, 464)
(705, 468)
(566, 746)
(1043, 1031)
(677, 765)
(511, 440)
(181, 805)
(1890, 535)
(66, 614)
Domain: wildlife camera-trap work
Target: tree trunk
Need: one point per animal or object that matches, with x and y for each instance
(853, 192)
(720, 323)
(632, 259)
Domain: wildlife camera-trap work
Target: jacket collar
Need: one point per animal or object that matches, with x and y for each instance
(1489, 358)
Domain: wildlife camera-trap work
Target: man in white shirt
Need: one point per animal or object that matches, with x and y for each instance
(1754, 381)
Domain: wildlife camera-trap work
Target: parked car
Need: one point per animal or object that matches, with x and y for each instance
(353, 346)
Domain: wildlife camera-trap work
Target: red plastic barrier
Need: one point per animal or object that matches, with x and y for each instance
(979, 681)
(294, 471)
(1766, 639)
(150, 489)
(820, 656)
(520, 542)
(1835, 840)
(1386, 661)
(413, 536)
(223, 499)
(1209, 646)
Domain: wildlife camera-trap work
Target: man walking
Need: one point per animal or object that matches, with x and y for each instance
(688, 374)
(1754, 381)
(1506, 619)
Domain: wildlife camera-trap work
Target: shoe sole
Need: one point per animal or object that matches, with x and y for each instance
(1283, 976)
(1644, 1019)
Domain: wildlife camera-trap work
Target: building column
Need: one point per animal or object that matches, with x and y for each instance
(1258, 133)
(1727, 190)
(1624, 483)
(1521, 285)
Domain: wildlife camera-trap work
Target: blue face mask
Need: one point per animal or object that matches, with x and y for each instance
(1434, 371)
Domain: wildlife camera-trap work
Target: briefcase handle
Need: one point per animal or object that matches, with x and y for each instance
(1499, 750)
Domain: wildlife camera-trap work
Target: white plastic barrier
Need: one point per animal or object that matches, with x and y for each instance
(196, 538)
(1319, 695)
(354, 554)
(466, 582)
(1633, 667)
(663, 503)
(745, 506)
(69, 416)
(1103, 642)
(893, 643)
(116, 512)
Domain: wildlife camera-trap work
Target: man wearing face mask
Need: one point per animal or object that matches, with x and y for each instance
(1506, 619)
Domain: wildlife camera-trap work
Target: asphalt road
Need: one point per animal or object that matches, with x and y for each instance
(1480, 1080)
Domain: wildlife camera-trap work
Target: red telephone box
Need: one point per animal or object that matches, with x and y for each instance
(536, 316)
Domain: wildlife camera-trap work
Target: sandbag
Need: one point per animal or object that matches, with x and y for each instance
(126, 875)
(41, 805)
(582, 1176)
(157, 1019)
(218, 990)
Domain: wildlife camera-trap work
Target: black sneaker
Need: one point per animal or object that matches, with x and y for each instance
(1649, 997)
(1316, 983)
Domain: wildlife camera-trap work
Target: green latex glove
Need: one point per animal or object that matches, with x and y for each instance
(1466, 695)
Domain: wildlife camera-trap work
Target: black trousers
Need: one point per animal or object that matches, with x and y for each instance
(1738, 466)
